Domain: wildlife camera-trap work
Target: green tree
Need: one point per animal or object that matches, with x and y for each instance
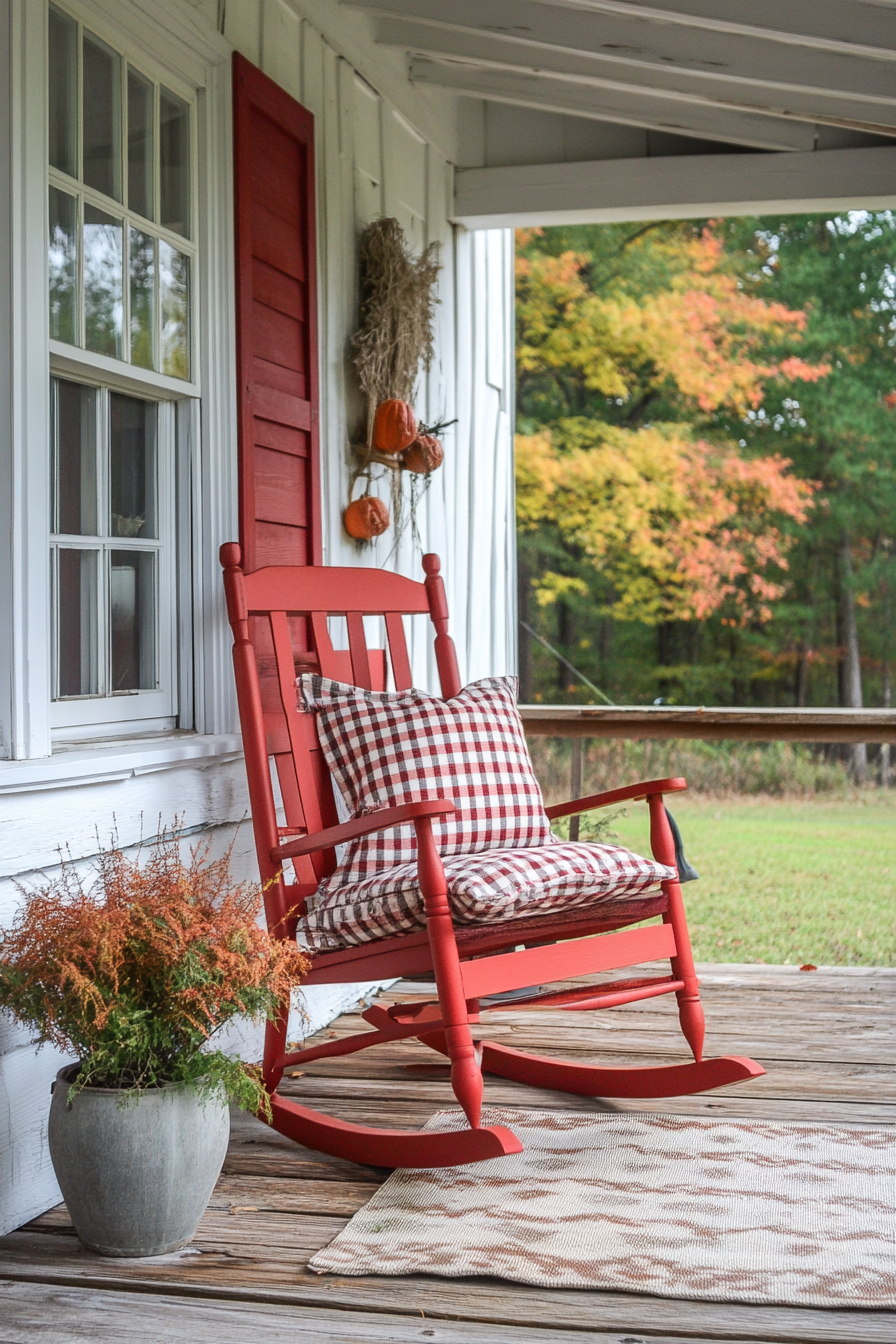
(841, 434)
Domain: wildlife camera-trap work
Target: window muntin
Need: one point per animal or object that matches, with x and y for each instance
(111, 547)
(121, 178)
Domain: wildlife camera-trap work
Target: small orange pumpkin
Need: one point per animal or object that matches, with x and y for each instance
(394, 426)
(366, 518)
(424, 455)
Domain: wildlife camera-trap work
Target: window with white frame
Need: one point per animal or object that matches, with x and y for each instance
(120, 267)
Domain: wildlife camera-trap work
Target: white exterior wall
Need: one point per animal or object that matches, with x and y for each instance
(382, 148)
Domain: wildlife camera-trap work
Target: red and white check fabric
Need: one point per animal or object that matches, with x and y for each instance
(484, 888)
(501, 861)
(385, 748)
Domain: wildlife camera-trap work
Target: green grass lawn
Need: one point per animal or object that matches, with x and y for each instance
(786, 881)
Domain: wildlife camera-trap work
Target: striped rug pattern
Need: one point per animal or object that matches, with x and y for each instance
(722, 1210)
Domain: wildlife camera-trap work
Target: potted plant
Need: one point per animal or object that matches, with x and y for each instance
(134, 973)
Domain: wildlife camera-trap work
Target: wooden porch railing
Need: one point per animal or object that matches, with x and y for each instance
(753, 725)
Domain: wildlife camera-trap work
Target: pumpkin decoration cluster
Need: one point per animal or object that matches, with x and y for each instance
(395, 341)
(406, 446)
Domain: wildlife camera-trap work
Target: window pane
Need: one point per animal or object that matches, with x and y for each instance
(73, 427)
(132, 467)
(62, 263)
(63, 92)
(140, 144)
(102, 118)
(142, 268)
(174, 145)
(76, 671)
(133, 620)
(174, 279)
(103, 307)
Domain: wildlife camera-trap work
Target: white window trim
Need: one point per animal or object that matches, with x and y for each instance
(206, 486)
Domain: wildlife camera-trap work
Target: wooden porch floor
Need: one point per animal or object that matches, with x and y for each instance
(826, 1038)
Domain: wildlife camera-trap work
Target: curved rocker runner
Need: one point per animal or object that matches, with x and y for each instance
(279, 617)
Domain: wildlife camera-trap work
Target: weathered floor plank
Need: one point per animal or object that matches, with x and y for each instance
(825, 1037)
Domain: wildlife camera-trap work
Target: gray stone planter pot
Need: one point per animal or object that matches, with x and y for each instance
(136, 1178)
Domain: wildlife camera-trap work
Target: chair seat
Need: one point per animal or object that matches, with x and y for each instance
(485, 888)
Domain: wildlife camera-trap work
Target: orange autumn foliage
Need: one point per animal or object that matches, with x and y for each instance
(701, 332)
(135, 973)
(679, 527)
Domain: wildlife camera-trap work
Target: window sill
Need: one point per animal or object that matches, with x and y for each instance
(102, 762)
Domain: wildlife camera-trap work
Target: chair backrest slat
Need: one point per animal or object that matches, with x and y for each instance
(398, 651)
(357, 644)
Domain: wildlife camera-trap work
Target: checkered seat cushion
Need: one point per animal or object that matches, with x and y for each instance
(501, 860)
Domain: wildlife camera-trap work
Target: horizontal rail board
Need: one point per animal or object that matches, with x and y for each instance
(756, 725)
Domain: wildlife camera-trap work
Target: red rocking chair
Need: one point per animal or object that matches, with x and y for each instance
(279, 617)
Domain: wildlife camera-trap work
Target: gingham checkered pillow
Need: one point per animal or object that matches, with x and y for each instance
(385, 749)
(483, 889)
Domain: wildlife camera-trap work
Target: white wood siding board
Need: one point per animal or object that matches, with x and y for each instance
(332, 308)
(546, 31)
(692, 186)
(368, 153)
(645, 107)
(342, 302)
(280, 46)
(404, 173)
(313, 83)
(27, 1181)
(242, 27)
(515, 53)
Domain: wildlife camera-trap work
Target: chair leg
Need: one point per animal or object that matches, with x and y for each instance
(466, 1071)
(690, 1009)
(275, 1034)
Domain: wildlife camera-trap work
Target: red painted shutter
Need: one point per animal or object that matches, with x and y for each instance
(277, 396)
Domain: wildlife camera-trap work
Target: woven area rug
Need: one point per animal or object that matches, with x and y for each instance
(724, 1210)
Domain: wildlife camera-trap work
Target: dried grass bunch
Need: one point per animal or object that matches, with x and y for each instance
(398, 304)
(136, 972)
(395, 338)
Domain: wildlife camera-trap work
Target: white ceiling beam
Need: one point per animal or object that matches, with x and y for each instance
(856, 26)
(440, 41)
(657, 44)
(654, 111)
(693, 187)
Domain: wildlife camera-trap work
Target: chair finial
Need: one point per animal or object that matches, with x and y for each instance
(230, 555)
(432, 564)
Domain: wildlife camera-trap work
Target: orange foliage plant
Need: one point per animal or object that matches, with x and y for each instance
(135, 973)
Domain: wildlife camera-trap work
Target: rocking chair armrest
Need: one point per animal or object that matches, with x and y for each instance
(631, 792)
(366, 825)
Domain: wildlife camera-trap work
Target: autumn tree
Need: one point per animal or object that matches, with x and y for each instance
(639, 350)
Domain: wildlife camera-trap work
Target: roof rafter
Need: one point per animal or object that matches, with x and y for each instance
(651, 110)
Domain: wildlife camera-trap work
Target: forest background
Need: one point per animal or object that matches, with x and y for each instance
(706, 461)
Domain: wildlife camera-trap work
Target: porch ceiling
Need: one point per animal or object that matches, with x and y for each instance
(545, 83)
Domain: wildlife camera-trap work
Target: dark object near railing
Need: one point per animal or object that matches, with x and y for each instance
(686, 871)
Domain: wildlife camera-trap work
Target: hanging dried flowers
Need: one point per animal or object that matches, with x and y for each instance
(398, 301)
